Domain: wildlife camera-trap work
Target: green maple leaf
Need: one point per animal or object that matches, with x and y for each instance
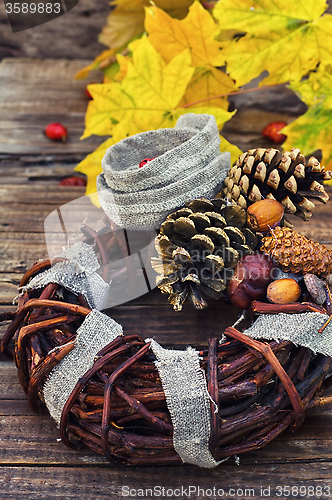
(313, 129)
(287, 39)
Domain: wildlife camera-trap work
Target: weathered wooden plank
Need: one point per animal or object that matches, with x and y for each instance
(40, 170)
(15, 407)
(17, 255)
(171, 328)
(243, 481)
(20, 218)
(3, 325)
(36, 194)
(9, 385)
(245, 127)
(34, 440)
(8, 287)
(47, 93)
(70, 36)
(16, 217)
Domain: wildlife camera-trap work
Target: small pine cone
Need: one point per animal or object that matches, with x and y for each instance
(286, 177)
(295, 253)
(198, 247)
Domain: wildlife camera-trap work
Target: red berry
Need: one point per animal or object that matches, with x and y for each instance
(73, 181)
(87, 93)
(56, 132)
(144, 162)
(272, 132)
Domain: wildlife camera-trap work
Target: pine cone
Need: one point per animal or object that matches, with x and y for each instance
(286, 177)
(295, 253)
(198, 247)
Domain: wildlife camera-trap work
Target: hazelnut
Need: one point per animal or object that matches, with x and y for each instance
(283, 291)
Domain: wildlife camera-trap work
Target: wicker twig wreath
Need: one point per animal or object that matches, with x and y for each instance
(119, 406)
(128, 398)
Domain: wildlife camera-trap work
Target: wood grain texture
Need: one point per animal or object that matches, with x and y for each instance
(70, 36)
(30, 100)
(34, 464)
(48, 483)
(43, 170)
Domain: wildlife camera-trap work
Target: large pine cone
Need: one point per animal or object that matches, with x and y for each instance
(286, 177)
(296, 253)
(198, 248)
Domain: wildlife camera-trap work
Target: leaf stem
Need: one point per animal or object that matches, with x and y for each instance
(237, 92)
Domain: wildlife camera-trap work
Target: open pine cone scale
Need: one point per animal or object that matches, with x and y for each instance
(287, 177)
(198, 248)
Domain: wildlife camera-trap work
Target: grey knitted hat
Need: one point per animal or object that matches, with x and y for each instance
(187, 164)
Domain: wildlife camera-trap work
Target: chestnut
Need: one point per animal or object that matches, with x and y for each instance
(264, 215)
(251, 277)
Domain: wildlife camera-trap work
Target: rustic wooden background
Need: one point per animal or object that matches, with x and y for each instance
(37, 87)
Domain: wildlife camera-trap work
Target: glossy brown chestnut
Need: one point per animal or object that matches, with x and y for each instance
(251, 277)
(264, 215)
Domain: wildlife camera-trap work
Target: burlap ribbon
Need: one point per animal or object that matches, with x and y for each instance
(187, 164)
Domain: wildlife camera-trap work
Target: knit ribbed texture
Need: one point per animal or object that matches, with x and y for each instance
(187, 165)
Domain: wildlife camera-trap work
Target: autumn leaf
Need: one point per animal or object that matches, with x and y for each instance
(106, 58)
(313, 129)
(122, 25)
(197, 31)
(127, 19)
(144, 99)
(316, 89)
(225, 145)
(204, 86)
(287, 39)
(150, 96)
(91, 167)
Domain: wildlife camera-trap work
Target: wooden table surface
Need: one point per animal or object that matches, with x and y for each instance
(34, 464)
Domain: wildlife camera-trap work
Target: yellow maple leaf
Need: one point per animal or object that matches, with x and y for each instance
(91, 167)
(144, 99)
(288, 39)
(123, 66)
(313, 129)
(225, 145)
(122, 25)
(315, 89)
(196, 31)
(104, 59)
(127, 19)
(204, 86)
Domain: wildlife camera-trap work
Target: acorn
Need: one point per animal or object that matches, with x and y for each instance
(283, 291)
(264, 215)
